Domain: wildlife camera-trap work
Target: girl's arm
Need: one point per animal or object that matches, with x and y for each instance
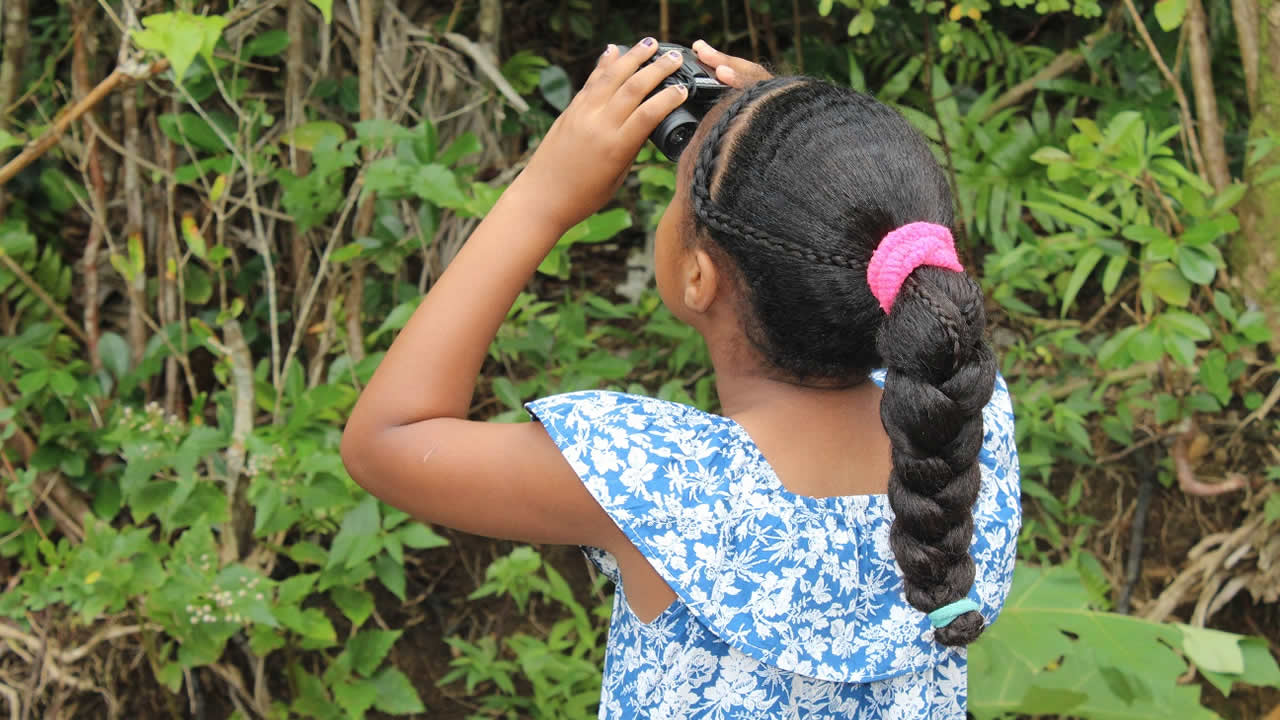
(408, 440)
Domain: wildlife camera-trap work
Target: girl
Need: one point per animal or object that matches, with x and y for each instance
(826, 547)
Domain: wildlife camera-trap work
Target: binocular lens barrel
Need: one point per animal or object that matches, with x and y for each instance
(674, 132)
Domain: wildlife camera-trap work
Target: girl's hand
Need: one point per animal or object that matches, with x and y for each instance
(732, 71)
(586, 154)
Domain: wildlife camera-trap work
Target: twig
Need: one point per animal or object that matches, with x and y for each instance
(1263, 410)
(1188, 124)
(1211, 137)
(486, 64)
(1121, 293)
(44, 296)
(50, 137)
(11, 697)
(300, 323)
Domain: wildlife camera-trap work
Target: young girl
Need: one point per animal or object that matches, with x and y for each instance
(826, 547)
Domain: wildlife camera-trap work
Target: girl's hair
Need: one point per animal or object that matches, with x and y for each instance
(797, 195)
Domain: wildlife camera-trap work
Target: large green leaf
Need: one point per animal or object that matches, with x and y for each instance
(1050, 653)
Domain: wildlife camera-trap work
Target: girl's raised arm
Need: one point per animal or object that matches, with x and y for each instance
(408, 440)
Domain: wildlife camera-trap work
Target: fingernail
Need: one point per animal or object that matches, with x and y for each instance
(607, 49)
(648, 42)
(674, 55)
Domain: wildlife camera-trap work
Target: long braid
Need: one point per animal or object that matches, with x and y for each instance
(941, 373)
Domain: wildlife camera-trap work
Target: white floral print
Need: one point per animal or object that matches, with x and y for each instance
(788, 606)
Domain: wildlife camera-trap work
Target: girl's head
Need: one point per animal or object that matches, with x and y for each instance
(785, 193)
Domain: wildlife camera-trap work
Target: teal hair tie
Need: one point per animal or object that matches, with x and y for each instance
(943, 616)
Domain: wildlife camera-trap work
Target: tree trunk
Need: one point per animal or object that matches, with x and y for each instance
(1256, 254)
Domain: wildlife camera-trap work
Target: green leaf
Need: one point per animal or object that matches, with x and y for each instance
(556, 89)
(1113, 272)
(357, 539)
(295, 589)
(1228, 198)
(326, 9)
(355, 697)
(1049, 653)
(180, 36)
(1084, 267)
(1260, 669)
(114, 353)
(598, 228)
(396, 694)
(1196, 266)
(1186, 324)
(1047, 155)
(1169, 14)
(356, 604)
(1169, 283)
(197, 285)
(271, 42)
(506, 391)
(437, 184)
(309, 134)
(420, 537)
(369, 647)
(390, 574)
(8, 140)
(1212, 650)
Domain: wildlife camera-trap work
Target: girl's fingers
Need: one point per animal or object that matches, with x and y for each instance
(614, 69)
(651, 112)
(640, 84)
(730, 70)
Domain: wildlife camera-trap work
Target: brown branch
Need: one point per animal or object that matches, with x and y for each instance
(1211, 139)
(14, 31)
(751, 30)
(664, 21)
(50, 137)
(97, 195)
(1245, 14)
(237, 352)
(1188, 125)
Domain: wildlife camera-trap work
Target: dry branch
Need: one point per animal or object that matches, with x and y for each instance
(108, 85)
(1211, 137)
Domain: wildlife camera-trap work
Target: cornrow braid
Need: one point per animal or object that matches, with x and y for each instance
(713, 217)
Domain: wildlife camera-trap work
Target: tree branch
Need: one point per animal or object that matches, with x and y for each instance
(1211, 140)
(108, 85)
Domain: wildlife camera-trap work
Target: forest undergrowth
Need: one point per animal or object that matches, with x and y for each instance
(214, 218)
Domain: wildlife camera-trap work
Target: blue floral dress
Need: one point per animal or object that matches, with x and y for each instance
(788, 606)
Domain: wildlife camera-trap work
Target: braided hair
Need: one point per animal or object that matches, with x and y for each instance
(797, 198)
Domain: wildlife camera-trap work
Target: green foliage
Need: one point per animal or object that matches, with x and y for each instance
(552, 675)
(225, 538)
(1050, 654)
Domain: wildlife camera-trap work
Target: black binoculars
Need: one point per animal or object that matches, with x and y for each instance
(674, 132)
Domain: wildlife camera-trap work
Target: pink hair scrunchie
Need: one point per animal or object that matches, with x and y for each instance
(904, 250)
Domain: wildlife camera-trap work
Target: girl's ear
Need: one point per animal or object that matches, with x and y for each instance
(701, 280)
